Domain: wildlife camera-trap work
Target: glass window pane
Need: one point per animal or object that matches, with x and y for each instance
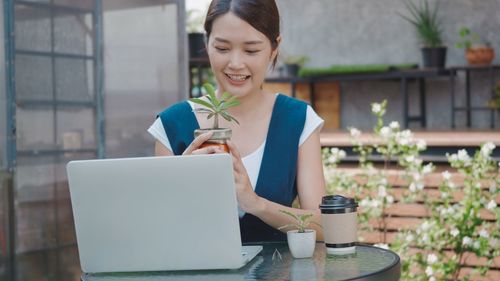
(142, 73)
(33, 77)
(35, 129)
(74, 79)
(76, 128)
(32, 28)
(73, 33)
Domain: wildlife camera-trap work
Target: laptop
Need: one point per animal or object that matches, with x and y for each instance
(156, 214)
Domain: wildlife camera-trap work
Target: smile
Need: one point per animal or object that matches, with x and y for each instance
(237, 77)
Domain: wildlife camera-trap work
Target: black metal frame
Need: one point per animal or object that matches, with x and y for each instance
(404, 76)
(468, 108)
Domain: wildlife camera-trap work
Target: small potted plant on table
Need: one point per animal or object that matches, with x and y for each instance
(429, 30)
(476, 53)
(301, 240)
(293, 64)
(215, 107)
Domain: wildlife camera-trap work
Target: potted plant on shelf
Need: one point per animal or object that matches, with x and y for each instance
(196, 37)
(429, 31)
(215, 108)
(293, 64)
(476, 53)
(301, 240)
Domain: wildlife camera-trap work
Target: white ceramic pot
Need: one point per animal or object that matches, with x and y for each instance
(301, 244)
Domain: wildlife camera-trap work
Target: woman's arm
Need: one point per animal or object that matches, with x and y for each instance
(161, 150)
(310, 187)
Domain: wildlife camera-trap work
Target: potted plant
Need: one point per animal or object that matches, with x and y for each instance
(215, 108)
(293, 64)
(301, 240)
(196, 37)
(429, 31)
(476, 53)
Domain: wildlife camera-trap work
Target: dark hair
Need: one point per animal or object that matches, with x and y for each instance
(262, 15)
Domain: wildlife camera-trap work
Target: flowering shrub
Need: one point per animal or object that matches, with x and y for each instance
(457, 224)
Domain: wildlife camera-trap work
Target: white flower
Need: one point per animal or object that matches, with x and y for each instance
(484, 233)
(466, 241)
(476, 245)
(493, 188)
(432, 258)
(444, 195)
(425, 238)
(429, 271)
(390, 199)
(410, 158)
(354, 132)
(394, 125)
(416, 176)
(385, 132)
(454, 232)
(420, 186)
(491, 205)
(451, 185)
(425, 226)
(487, 148)
(382, 245)
(376, 107)
(409, 238)
(365, 202)
(421, 144)
(446, 175)
(382, 192)
(463, 156)
(375, 203)
(432, 278)
(427, 168)
(412, 187)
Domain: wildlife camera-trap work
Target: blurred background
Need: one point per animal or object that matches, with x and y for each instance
(85, 79)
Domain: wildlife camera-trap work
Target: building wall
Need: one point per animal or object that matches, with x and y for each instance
(3, 95)
(371, 32)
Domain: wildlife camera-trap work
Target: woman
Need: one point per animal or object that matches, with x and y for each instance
(275, 148)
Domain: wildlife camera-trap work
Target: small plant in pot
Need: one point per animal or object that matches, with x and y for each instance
(476, 53)
(293, 64)
(215, 108)
(429, 31)
(301, 240)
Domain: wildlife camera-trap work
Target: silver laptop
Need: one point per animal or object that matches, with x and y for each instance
(157, 213)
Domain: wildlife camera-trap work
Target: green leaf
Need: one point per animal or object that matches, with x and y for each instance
(211, 93)
(202, 102)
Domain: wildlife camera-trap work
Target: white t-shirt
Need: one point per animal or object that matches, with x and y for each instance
(253, 160)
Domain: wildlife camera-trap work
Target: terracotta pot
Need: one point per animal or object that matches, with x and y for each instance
(480, 55)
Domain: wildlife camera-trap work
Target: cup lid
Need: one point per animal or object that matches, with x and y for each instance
(335, 202)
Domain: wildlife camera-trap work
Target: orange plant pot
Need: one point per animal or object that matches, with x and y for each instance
(480, 55)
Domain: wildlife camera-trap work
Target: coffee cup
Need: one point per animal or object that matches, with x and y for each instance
(339, 218)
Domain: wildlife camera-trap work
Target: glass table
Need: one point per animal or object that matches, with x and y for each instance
(276, 263)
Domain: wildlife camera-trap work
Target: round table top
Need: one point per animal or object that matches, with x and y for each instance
(276, 263)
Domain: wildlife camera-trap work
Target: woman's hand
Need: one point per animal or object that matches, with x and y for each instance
(194, 147)
(248, 200)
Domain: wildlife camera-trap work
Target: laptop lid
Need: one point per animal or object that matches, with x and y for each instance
(155, 213)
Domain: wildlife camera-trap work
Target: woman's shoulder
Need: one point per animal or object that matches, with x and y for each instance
(290, 102)
(176, 108)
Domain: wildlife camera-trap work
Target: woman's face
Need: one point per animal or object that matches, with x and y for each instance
(239, 55)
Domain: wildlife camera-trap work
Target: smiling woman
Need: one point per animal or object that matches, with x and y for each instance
(275, 148)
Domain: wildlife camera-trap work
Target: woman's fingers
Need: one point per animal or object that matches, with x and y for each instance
(208, 150)
(197, 142)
